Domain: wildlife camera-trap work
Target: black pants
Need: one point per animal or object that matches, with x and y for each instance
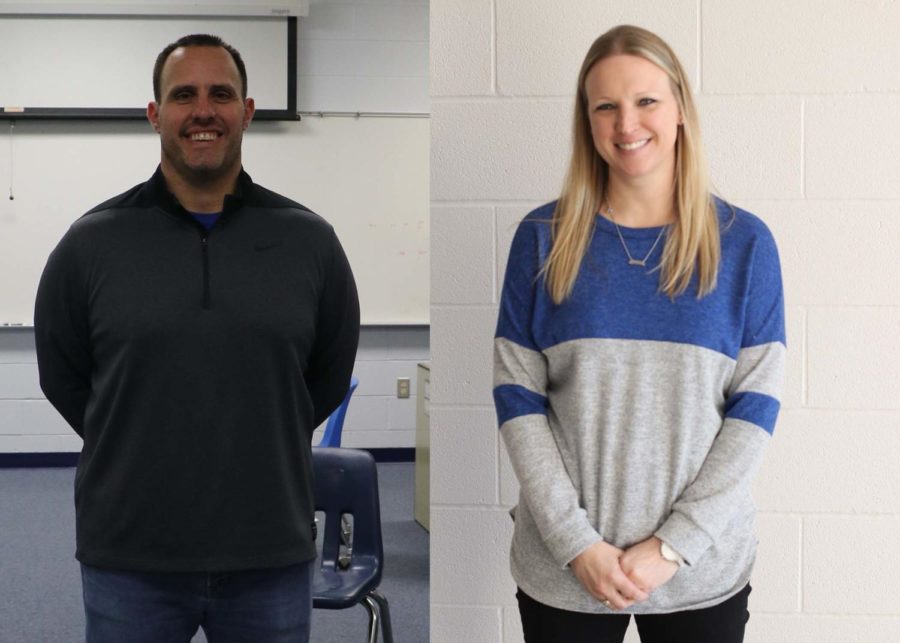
(722, 623)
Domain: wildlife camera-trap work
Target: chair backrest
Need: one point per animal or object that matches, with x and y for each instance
(335, 425)
(345, 481)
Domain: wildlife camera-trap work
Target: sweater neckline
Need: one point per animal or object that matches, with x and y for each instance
(607, 226)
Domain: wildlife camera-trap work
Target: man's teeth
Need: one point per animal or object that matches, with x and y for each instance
(204, 136)
(632, 146)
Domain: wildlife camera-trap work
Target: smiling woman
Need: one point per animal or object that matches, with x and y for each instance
(637, 61)
(634, 122)
(637, 367)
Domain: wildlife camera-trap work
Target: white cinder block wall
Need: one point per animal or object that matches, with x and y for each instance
(357, 56)
(799, 105)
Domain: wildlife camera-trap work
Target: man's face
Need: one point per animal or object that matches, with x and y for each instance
(200, 116)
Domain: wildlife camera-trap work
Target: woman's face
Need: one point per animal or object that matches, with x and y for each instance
(634, 119)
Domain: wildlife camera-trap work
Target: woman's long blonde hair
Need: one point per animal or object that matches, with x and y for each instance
(693, 240)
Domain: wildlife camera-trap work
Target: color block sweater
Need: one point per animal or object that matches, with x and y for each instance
(627, 414)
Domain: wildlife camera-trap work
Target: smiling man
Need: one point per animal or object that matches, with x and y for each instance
(194, 331)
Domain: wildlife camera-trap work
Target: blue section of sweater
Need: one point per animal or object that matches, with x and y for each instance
(744, 310)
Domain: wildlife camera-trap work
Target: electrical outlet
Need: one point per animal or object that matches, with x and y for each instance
(403, 387)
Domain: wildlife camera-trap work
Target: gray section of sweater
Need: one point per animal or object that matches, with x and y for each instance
(635, 444)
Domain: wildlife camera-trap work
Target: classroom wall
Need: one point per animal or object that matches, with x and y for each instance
(376, 418)
(799, 118)
(359, 56)
(364, 56)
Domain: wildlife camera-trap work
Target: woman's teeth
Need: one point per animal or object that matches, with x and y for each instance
(632, 146)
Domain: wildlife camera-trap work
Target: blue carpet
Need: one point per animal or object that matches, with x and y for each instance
(40, 583)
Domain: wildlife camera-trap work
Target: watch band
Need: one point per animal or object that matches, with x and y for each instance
(670, 554)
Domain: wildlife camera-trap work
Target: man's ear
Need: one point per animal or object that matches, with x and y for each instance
(153, 114)
(249, 110)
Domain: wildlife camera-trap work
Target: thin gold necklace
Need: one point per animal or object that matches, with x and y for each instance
(631, 260)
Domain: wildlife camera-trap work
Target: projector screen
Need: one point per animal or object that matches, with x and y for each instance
(101, 66)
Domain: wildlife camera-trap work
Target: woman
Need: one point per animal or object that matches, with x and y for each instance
(638, 362)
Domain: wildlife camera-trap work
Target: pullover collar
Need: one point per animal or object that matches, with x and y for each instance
(156, 192)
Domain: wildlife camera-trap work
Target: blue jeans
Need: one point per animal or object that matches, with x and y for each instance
(255, 606)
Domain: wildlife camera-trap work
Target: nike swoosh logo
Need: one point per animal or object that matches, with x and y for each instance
(260, 247)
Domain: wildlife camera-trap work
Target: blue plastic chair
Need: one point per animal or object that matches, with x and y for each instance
(346, 482)
(335, 426)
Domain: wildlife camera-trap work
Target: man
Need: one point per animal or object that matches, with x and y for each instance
(194, 331)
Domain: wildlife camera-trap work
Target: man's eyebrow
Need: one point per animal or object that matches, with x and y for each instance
(182, 88)
(225, 86)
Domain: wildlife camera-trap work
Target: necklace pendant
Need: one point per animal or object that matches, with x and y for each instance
(638, 262)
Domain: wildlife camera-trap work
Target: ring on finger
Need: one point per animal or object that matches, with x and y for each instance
(606, 602)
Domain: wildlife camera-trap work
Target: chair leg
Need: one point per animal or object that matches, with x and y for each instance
(385, 611)
(372, 608)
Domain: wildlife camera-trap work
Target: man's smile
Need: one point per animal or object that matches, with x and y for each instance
(204, 136)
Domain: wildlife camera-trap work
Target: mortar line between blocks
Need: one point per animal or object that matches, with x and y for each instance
(832, 615)
(499, 606)
(800, 569)
(495, 295)
(803, 148)
(461, 407)
(829, 514)
(804, 375)
(497, 473)
(699, 46)
(494, 47)
(471, 507)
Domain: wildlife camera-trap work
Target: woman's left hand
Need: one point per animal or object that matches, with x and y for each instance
(645, 566)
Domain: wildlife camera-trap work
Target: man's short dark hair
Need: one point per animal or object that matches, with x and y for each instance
(197, 40)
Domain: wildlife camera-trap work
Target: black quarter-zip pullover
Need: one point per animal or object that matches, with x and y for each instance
(196, 365)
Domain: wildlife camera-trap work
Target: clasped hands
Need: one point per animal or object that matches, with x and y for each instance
(619, 578)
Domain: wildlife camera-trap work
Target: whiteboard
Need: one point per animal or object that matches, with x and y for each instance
(368, 177)
(106, 62)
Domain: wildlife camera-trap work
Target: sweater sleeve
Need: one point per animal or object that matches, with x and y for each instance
(520, 397)
(62, 336)
(337, 336)
(709, 504)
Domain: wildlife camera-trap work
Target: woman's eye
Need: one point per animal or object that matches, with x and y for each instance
(647, 101)
(605, 107)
